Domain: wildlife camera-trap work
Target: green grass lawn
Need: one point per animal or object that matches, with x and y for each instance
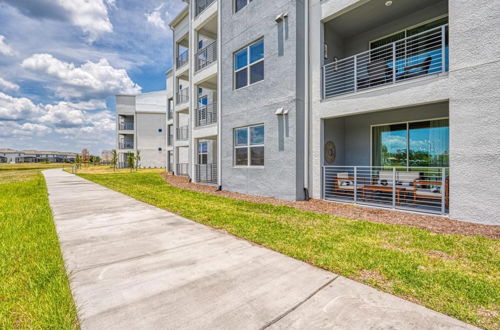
(453, 274)
(34, 288)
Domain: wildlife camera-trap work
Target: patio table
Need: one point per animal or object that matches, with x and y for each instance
(385, 189)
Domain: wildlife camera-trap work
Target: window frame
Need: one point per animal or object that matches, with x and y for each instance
(248, 146)
(407, 123)
(202, 153)
(249, 64)
(236, 10)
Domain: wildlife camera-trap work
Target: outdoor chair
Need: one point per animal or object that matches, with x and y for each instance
(418, 69)
(425, 190)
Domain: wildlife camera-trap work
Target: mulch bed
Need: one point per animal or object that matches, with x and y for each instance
(436, 224)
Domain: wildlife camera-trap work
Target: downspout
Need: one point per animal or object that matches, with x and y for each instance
(219, 92)
(306, 101)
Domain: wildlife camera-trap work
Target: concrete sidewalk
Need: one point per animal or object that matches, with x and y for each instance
(134, 266)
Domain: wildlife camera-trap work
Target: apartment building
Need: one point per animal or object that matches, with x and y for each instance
(35, 156)
(141, 127)
(381, 103)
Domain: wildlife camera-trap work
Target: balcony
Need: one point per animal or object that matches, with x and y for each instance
(206, 56)
(182, 59)
(206, 173)
(126, 145)
(170, 113)
(182, 96)
(170, 140)
(126, 126)
(416, 56)
(182, 133)
(418, 189)
(201, 5)
(206, 115)
(182, 169)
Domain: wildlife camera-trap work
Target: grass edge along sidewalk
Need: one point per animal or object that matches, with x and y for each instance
(34, 287)
(454, 274)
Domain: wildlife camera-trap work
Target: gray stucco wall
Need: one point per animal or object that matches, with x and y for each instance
(475, 111)
(149, 139)
(282, 175)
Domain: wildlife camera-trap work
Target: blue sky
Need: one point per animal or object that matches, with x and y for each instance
(62, 62)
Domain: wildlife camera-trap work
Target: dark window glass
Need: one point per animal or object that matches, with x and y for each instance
(241, 59)
(241, 137)
(257, 51)
(241, 78)
(256, 135)
(240, 4)
(241, 156)
(257, 72)
(257, 156)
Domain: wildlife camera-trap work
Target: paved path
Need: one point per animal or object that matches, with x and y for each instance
(134, 266)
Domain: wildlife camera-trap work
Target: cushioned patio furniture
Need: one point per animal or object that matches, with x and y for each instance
(432, 191)
(418, 69)
(344, 184)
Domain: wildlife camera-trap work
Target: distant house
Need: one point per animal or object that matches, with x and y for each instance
(35, 156)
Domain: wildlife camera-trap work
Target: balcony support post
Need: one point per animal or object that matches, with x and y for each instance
(394, 187)
(355, 58)
(443, 190)
(394, 62)
(443, 48)
(355, 184)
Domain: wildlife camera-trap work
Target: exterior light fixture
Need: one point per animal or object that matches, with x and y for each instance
(388, 3)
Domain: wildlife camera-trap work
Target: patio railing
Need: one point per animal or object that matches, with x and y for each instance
(182, 59)
(206, 56)
(201, 5)
(416, 56)
(183, 95)
(206, 114)
(126, 126)
(419, 189)
(182, 133)
(126, 145)
(182, 169)
(206, 173)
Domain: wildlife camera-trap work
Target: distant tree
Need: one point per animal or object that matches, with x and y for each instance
(114, 159)
(130, 160)
(137, 159)
(78, 161)
(85, 156)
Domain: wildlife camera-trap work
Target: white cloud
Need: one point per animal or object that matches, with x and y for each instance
(5, 49)
(91, 80)
(155, 18)
(14, 129)
(89, 15)
(7, 85)
(13, 108)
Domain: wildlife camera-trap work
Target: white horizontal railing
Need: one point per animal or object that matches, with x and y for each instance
(419, 55)
(420, 189)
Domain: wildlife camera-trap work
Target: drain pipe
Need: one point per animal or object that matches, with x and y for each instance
(306, 101)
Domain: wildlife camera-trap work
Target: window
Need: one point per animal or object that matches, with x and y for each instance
(249, 65)
(249, 146)
(419, 144)
(240, 4)
(203, 153)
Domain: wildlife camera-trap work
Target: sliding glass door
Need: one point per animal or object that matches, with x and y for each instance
(422, 144)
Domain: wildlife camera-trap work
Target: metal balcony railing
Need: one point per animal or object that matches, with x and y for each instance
(416, 56)
(206, 173)
(418, 189)
(206, 56)
(126, 145)
(182, 169)
(183, 95)
(126, 126)
(206, 114)
(201, 5)
(182, 59)
(182, 133)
